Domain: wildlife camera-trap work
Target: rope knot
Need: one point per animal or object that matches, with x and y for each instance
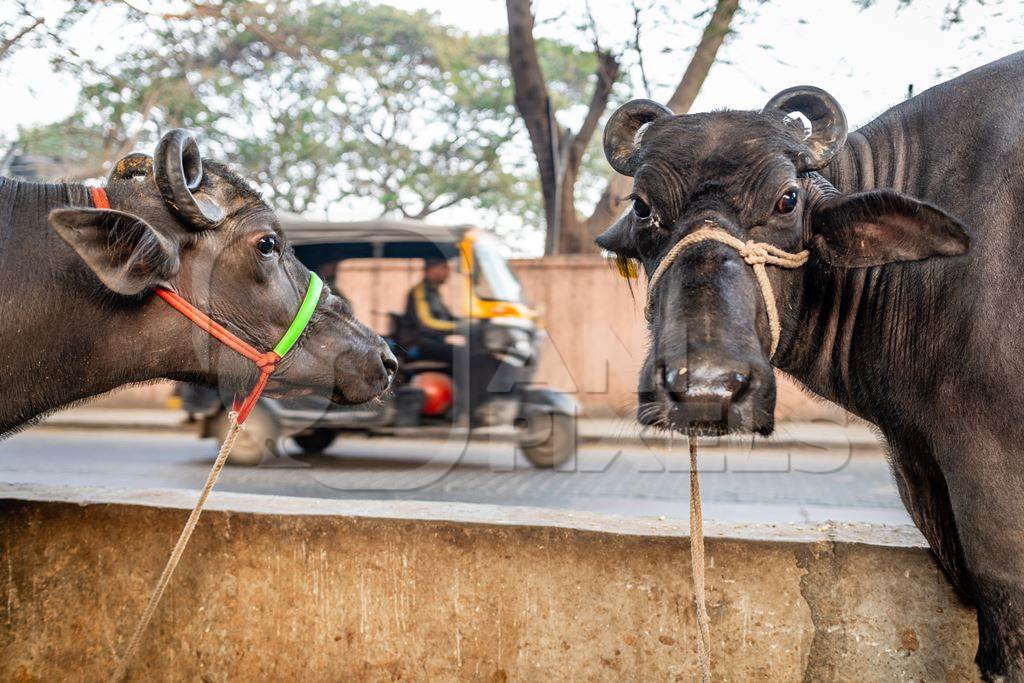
(267, 362)
(754, 252)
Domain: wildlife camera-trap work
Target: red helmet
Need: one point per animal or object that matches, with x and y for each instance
(437, 392)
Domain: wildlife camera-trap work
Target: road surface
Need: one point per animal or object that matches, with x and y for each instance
(774, 485)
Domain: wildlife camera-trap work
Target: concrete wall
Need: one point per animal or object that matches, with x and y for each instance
(596, 329)
(318, 590)
(596, 332)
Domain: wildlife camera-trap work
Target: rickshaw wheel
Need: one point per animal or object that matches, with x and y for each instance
(257, 441)
(316, 441)
(559, 444)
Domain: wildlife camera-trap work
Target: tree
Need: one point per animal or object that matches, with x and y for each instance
(27, 24)
(559, 152)
(13, 30)
(321, 102)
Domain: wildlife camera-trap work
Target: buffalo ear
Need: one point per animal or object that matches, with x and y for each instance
(124, 251)
(618, 238)
(883, 226)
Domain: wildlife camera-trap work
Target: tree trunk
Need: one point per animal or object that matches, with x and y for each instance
(703, 57)
(572, 235)
(534, 105)
(560, 154)
(614, 199)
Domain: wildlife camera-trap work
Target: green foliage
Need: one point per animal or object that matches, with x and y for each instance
(569, 72)
(72, 143)
(321, 102)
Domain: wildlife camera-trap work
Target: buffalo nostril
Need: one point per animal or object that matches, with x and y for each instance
(389, 362)
(706, 395)
(716, 387)
(735, 384)
(704, 384)
(675, 381)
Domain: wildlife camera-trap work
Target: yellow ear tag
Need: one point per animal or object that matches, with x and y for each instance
(626, 267)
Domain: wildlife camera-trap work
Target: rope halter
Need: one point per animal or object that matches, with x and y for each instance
(755, 254)
(265, 361)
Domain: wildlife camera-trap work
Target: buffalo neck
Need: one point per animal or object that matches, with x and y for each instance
(881, 154)
(64, 337)
(866, 337)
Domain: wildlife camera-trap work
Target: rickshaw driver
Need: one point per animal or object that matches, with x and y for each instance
(428, 325)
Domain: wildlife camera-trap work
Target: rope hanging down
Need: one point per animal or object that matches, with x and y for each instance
(697, 567)
(757, 255)
(179, 549)
(266, 362)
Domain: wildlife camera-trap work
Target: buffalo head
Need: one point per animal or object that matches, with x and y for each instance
(182, 222)
(751, 175)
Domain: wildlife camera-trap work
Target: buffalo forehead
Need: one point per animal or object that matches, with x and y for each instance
(233, 192)
(729, 139)
(738, 153)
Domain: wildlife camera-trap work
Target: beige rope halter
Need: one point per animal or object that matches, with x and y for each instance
(756, 254)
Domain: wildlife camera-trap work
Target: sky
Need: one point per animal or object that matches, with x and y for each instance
(866, 58)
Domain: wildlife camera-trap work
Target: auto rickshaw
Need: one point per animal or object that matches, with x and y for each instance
(502, 339)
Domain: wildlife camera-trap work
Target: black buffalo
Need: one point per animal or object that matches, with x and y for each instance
(909, 312)
(77, 312)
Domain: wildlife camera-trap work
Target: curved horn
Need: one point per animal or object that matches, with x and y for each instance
(828, 122)
(620, 133)
(178, 171)
(134, 165)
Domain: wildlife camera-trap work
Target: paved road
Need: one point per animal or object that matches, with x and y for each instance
(808, 485)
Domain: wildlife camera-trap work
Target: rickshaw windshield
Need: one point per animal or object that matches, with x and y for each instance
(492, 277)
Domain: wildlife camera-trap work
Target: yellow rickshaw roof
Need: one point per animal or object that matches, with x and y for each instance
(302, 231)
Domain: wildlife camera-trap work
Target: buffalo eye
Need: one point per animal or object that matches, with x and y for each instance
(267, 245)
(787, 202)
(640, 208)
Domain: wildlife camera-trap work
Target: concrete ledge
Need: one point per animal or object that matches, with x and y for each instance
(276, 588)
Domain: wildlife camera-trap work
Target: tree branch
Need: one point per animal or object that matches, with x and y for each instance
(607, 75)
(430, 207)
(8, 43)
(637, 29)
(570, 240)
(613, 200)
(703, 57)
(595, 38)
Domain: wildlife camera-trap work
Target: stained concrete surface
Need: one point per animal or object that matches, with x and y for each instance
(376, 561)
(271, 595)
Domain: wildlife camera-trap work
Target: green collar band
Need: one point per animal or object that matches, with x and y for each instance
(302, 318)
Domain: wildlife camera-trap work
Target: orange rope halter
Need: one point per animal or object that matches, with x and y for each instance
(266, 362)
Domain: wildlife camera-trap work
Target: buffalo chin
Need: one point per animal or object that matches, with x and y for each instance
(669, 416)
(340, 397)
